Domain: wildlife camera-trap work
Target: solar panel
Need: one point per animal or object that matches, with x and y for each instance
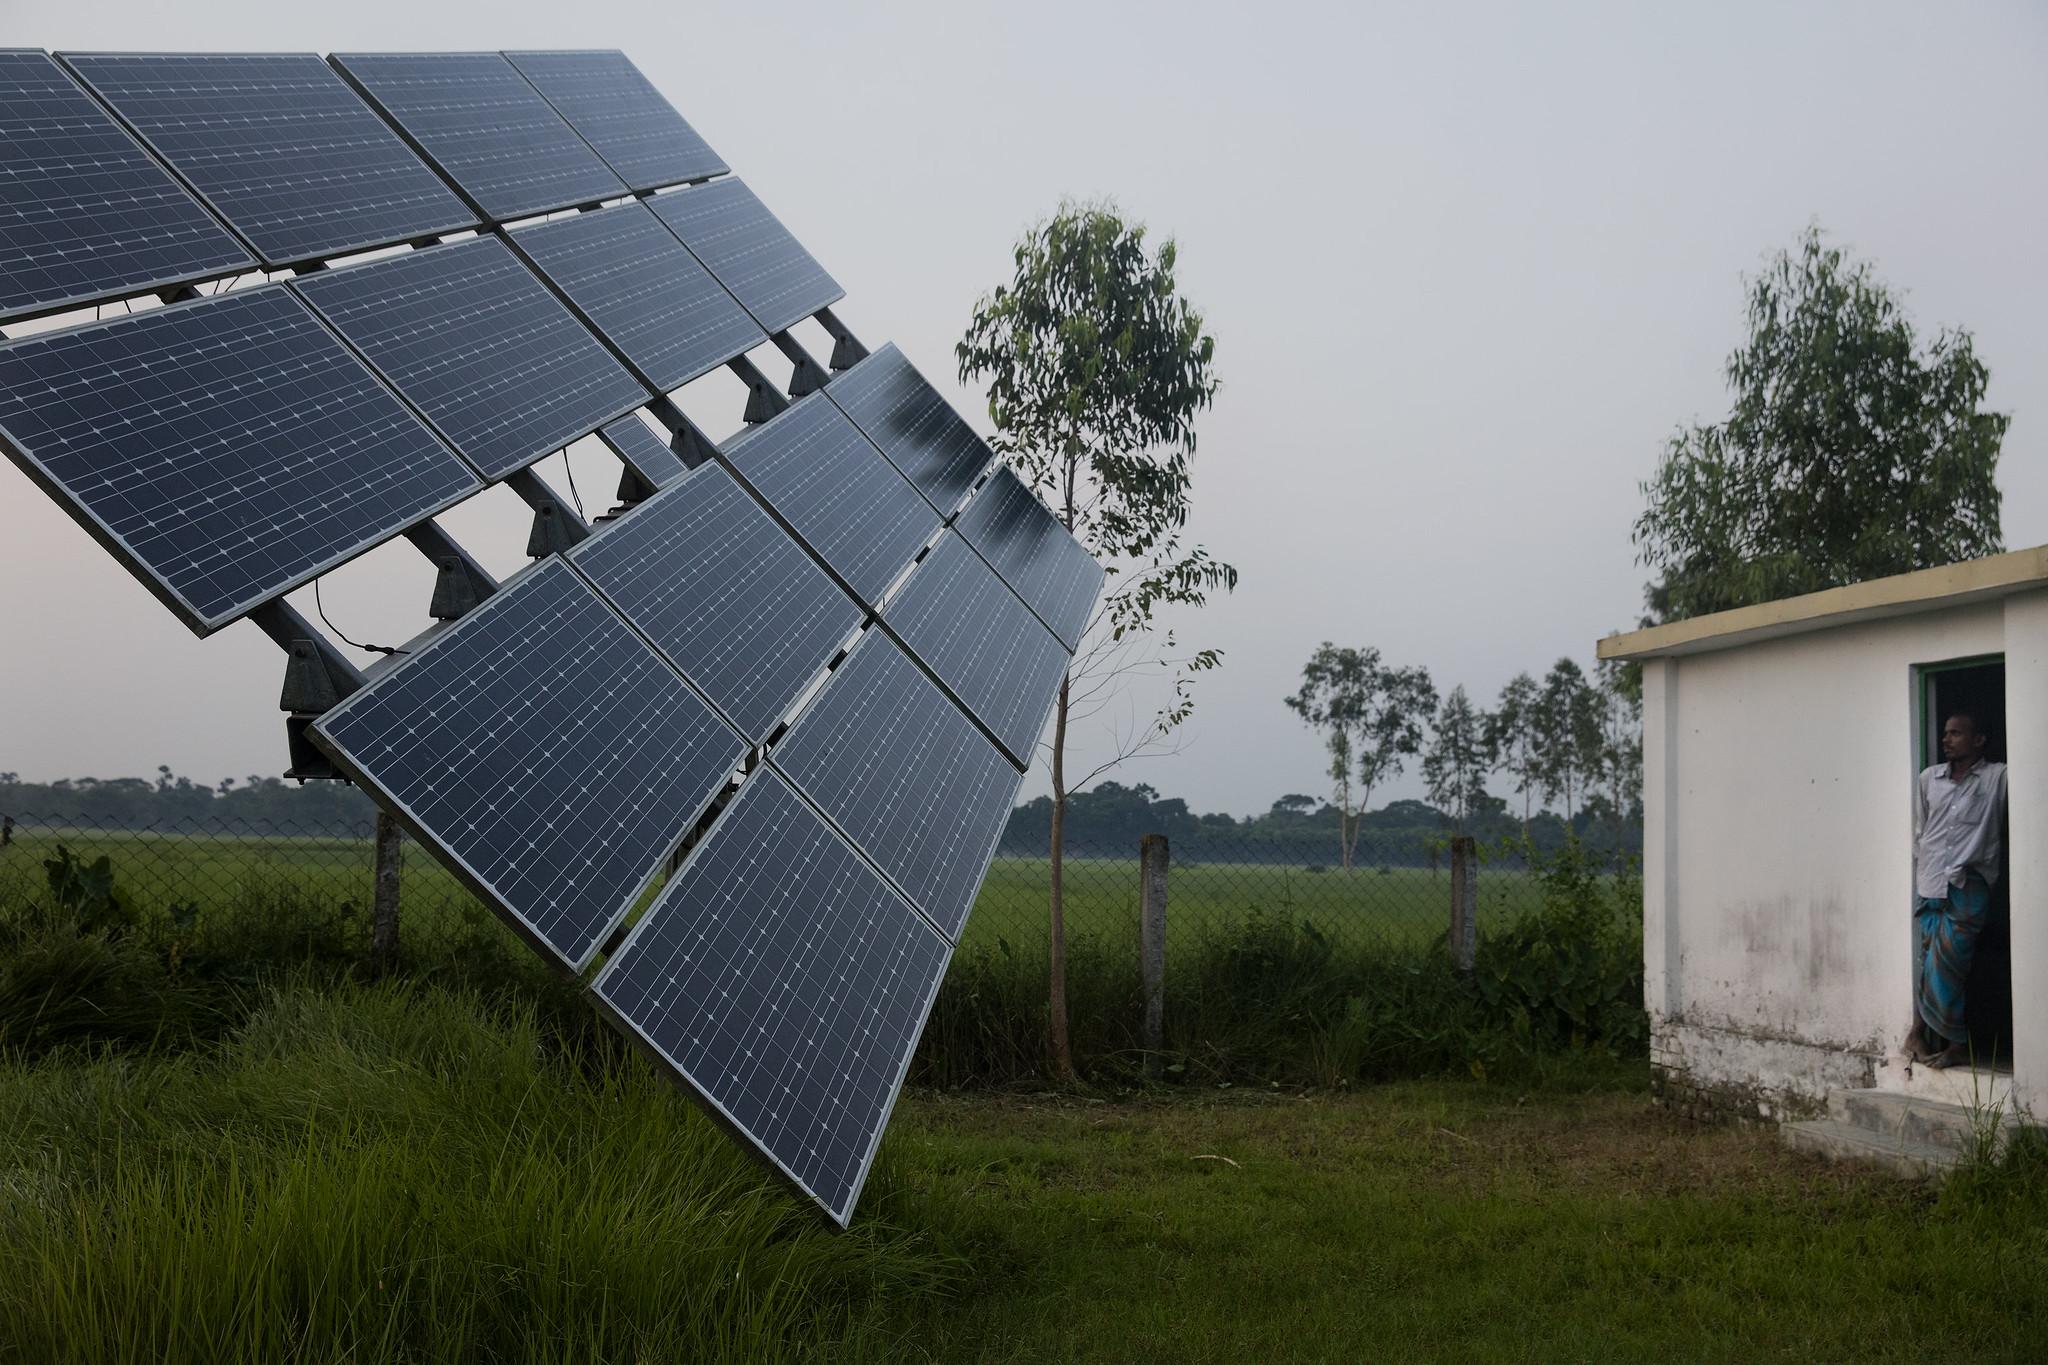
(750, 252)
(84, 212)
(787, 984)
(544, 751)
(643, 291)
(225, 450)
(913, 783)
(917, 429)
(633, 441)
(279, 146)
(970, 630)
(1027, 545)
(606, 99)
(485, 350)
(487, 129)
(835, 491)
(724, 593)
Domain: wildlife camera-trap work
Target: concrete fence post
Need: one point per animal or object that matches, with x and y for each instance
(390, 857)
(1152, 862)
(1464, 901)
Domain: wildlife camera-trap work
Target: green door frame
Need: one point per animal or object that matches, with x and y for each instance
(1930, 742)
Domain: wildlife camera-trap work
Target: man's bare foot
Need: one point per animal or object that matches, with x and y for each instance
(1916, 1048)
(1955, 1054)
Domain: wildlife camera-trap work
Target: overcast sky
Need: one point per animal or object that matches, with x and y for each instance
(1467, 267)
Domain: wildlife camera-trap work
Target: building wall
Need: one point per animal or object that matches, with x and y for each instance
(1778, 849)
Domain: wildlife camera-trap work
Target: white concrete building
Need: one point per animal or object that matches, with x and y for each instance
(1780, 744)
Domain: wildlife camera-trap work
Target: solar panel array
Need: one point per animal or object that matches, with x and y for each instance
(545, 751)
(750, 252)
(279, 146)
(1026, 544)
(786, 983)
(834, 490)
(620, 114)
(918, 430)
(486, 129)
(969, 628)
(225, 450)
(641, 289)
(84, 213)
(469, 336)
(634, 442)
(718, 587)
(906, 775)
(720, 667)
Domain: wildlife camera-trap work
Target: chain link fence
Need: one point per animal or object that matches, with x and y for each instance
(1272, 964)
(323, 876)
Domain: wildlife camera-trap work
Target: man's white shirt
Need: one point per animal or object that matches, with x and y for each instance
(1956, 827)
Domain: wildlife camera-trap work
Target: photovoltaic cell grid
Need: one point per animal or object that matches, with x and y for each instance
(545, 751)
(84, 212)
(632, 441)
(970, 630)
(787, 984)
(487, 129)
(544, 747)
(227, 449)
(834, 489)
(620, 113)
(639, 287)
(1026, 544)
(484, 349)
(895, 764)
(279, 146)
(917, 429)
(750, 252)
(724, 593)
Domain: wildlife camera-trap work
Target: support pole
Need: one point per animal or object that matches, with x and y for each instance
(808, 376)
(1152, 864)
(384, 906)
(1464, 901)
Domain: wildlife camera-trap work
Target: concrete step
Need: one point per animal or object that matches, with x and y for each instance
(1963, 1085)
(1841, 1140)
(1889, 1113)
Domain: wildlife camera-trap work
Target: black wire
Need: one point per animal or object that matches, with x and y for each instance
(374, 649)
(570, 470)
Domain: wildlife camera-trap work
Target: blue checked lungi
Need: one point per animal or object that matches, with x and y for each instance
(1947, 944)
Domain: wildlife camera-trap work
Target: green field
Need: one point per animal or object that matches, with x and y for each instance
(401, 1174)
(1402, 907)
(1399, 908)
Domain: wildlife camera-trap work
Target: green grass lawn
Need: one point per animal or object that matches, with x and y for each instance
(397, 1173)
(1401, 908)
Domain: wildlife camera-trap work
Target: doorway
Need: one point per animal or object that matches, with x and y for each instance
(1977, 685)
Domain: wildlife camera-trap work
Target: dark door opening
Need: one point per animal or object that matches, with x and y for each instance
(1978, 686)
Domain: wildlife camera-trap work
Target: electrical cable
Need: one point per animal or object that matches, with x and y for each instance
(570, 470)
(374, 649)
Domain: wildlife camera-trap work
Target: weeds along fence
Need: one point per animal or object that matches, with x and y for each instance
(1272, 966)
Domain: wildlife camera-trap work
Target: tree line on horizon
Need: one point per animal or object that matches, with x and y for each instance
(1568, 740)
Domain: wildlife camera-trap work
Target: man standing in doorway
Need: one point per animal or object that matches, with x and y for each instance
(1958, 816)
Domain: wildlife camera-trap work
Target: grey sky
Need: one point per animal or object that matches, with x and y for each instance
(1467, 266)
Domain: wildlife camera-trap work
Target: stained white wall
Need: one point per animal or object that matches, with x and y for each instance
(1778, 843)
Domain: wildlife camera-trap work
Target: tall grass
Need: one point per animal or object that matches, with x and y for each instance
(394, 1173)
(1269, 995)
(1258, 989)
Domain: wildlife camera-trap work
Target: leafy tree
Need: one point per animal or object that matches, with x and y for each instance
(1371, 717)
(1512, 743)
(1455, 767)
(1294, 805)
(1620, 774)
(1849, 452)
(1097, 368)
(1568, 735)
